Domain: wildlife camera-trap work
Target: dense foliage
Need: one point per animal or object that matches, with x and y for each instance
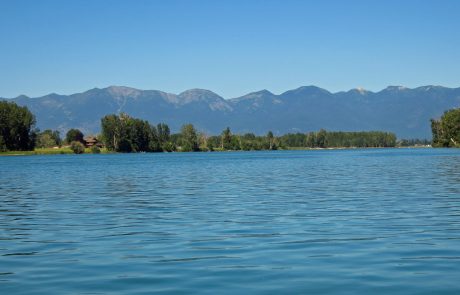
(446, 131)
(74, 135)
(122, 133)
(189, 138)
(320, 139)
(16, 127)
(48, 138)
(235, 142)
(331, 139)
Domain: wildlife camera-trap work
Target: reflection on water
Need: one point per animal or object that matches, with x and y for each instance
(352, 221)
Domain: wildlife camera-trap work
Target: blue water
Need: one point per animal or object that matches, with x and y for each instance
(346, 221)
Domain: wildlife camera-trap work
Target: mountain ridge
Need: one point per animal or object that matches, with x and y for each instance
(402, 110)
(424, 87)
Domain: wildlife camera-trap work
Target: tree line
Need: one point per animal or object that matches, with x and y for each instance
(334, 139)
(123, 133)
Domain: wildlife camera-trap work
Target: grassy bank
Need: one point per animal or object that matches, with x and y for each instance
(48, 151)
(67, 150)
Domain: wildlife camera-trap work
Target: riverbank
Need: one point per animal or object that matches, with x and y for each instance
(67, 150)
(49, 151)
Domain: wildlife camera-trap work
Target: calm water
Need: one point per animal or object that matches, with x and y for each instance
(356, 221)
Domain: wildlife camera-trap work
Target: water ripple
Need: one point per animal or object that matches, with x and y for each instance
(352, 221)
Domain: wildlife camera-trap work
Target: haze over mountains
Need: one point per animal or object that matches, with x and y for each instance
(398, 109)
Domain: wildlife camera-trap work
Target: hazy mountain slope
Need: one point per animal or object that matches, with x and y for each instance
(398, 109)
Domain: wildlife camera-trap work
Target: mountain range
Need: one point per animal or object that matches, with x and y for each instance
(404, 111)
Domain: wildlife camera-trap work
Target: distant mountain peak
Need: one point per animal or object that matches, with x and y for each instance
(197, 91)
(256, 94)
(22, 96)
(395, 88)
(198, 94)
(214, 101)
(359, 90)
(310, 88)
(123, 91)
(262, 92)
(307, 91)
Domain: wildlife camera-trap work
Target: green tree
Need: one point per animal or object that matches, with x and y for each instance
(16, 127)
(226, 138)
(436, 130)
(270, 139)
(44, 140)
(48, 138)
(74, 135)
(210, 145)
(321, 138)
(310, 140)
(164, 134)
(111, 131)
(189, 138)
(235, 143)
(446, 131)
(450, 125)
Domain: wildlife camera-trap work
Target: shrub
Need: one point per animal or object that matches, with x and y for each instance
(77, 147)
(95, 150)
(168, 147)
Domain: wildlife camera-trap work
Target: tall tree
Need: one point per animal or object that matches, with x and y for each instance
(16, 127)
(226, 139)
(163, 133)
(270, 138)
(446, 131)
(189, 138)
(111, 131)
(450, 125)
(321, 138)
(437, 132)
(310, 140)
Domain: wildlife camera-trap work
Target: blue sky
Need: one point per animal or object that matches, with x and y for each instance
(230, 47)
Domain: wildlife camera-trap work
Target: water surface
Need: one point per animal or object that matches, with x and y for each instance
(344, 221)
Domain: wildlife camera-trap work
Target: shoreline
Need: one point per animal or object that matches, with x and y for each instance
(68, 151)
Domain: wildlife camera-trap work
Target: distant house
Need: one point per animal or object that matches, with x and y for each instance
(91, 141)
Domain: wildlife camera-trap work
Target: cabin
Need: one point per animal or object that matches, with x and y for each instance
(91, 141)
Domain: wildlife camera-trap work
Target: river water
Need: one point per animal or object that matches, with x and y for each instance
(326, 221)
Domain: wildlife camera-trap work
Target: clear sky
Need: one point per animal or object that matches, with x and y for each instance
(230, 47)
